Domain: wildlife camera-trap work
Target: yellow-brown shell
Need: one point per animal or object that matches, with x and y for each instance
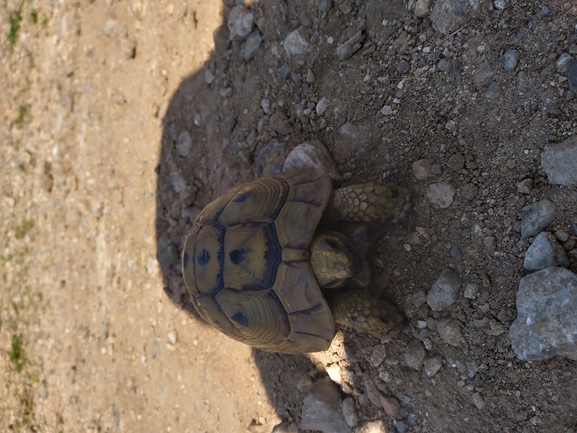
(246, 263)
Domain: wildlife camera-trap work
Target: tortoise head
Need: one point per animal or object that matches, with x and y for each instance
(334, 259)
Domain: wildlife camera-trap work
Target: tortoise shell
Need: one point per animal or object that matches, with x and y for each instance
(246, 263)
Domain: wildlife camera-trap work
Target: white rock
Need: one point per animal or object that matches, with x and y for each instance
(240, 21)
(311, 155)
(295, 44)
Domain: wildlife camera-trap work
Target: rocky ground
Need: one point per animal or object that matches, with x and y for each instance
(122, 119)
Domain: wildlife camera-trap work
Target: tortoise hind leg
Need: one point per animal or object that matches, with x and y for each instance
(369, 202)
(357, 309)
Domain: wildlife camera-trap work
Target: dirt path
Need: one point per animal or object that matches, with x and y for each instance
(111, 109)
(102, 348)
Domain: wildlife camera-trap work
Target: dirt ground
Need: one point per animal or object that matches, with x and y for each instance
(99, 99)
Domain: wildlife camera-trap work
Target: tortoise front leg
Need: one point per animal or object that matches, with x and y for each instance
(369, 202)
(357, 309)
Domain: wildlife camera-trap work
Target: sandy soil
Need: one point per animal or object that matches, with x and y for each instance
(97, 336)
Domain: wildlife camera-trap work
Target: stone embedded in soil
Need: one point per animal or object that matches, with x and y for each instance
(305, 382)
(433, 365)
(322, 105)
(403, 67)
(183, 143)
(350, 412)
(536, 217)
(441, 194)
(423, 8)
(562, 63)
(456, 162)
(391, 406)
(448, 15)
(295, 44)
(510, 59)
(334, 371)
(525, 186)
(478, 401)
(402, 426)
(559, 161)
(415, 355)
(546, 323)
(280, 123)
(372, 391)
(270, 160)
(572, 76)
(471, 291)
(166, 253)
(493, 91)
(240, 22)
(422, 169)
(443, 292)
(483, 76)
(322, 409)
(350, 46)
(544, 252)
(378, 355)
(251, 46)
(286, 427)
(311, 155)
(450, 331)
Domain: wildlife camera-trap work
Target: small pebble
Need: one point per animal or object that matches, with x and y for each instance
(525, 186)
(172, 337)
(422, 169)
(441, 194)
(391, 406)
(433, 365)
(295, 44)
(450, 331)
(415, 355)
(280, 123)
(478, 401)
(378, 355)
(471, 291)
(536, 217)
(350, 412)
(493, 91)
(322, 105)
(510, 59)
(402, 426)
(403, 67)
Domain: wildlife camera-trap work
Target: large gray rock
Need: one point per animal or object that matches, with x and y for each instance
(546, 323)
(544, 252)
(444, 291)
(322, 409)
(448, 15)
(559, 161)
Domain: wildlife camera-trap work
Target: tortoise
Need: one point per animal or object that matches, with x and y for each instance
(254, 262)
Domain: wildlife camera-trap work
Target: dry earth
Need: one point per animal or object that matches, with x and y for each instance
(98, 101)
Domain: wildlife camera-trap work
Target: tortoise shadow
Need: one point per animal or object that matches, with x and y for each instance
(197, 163)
